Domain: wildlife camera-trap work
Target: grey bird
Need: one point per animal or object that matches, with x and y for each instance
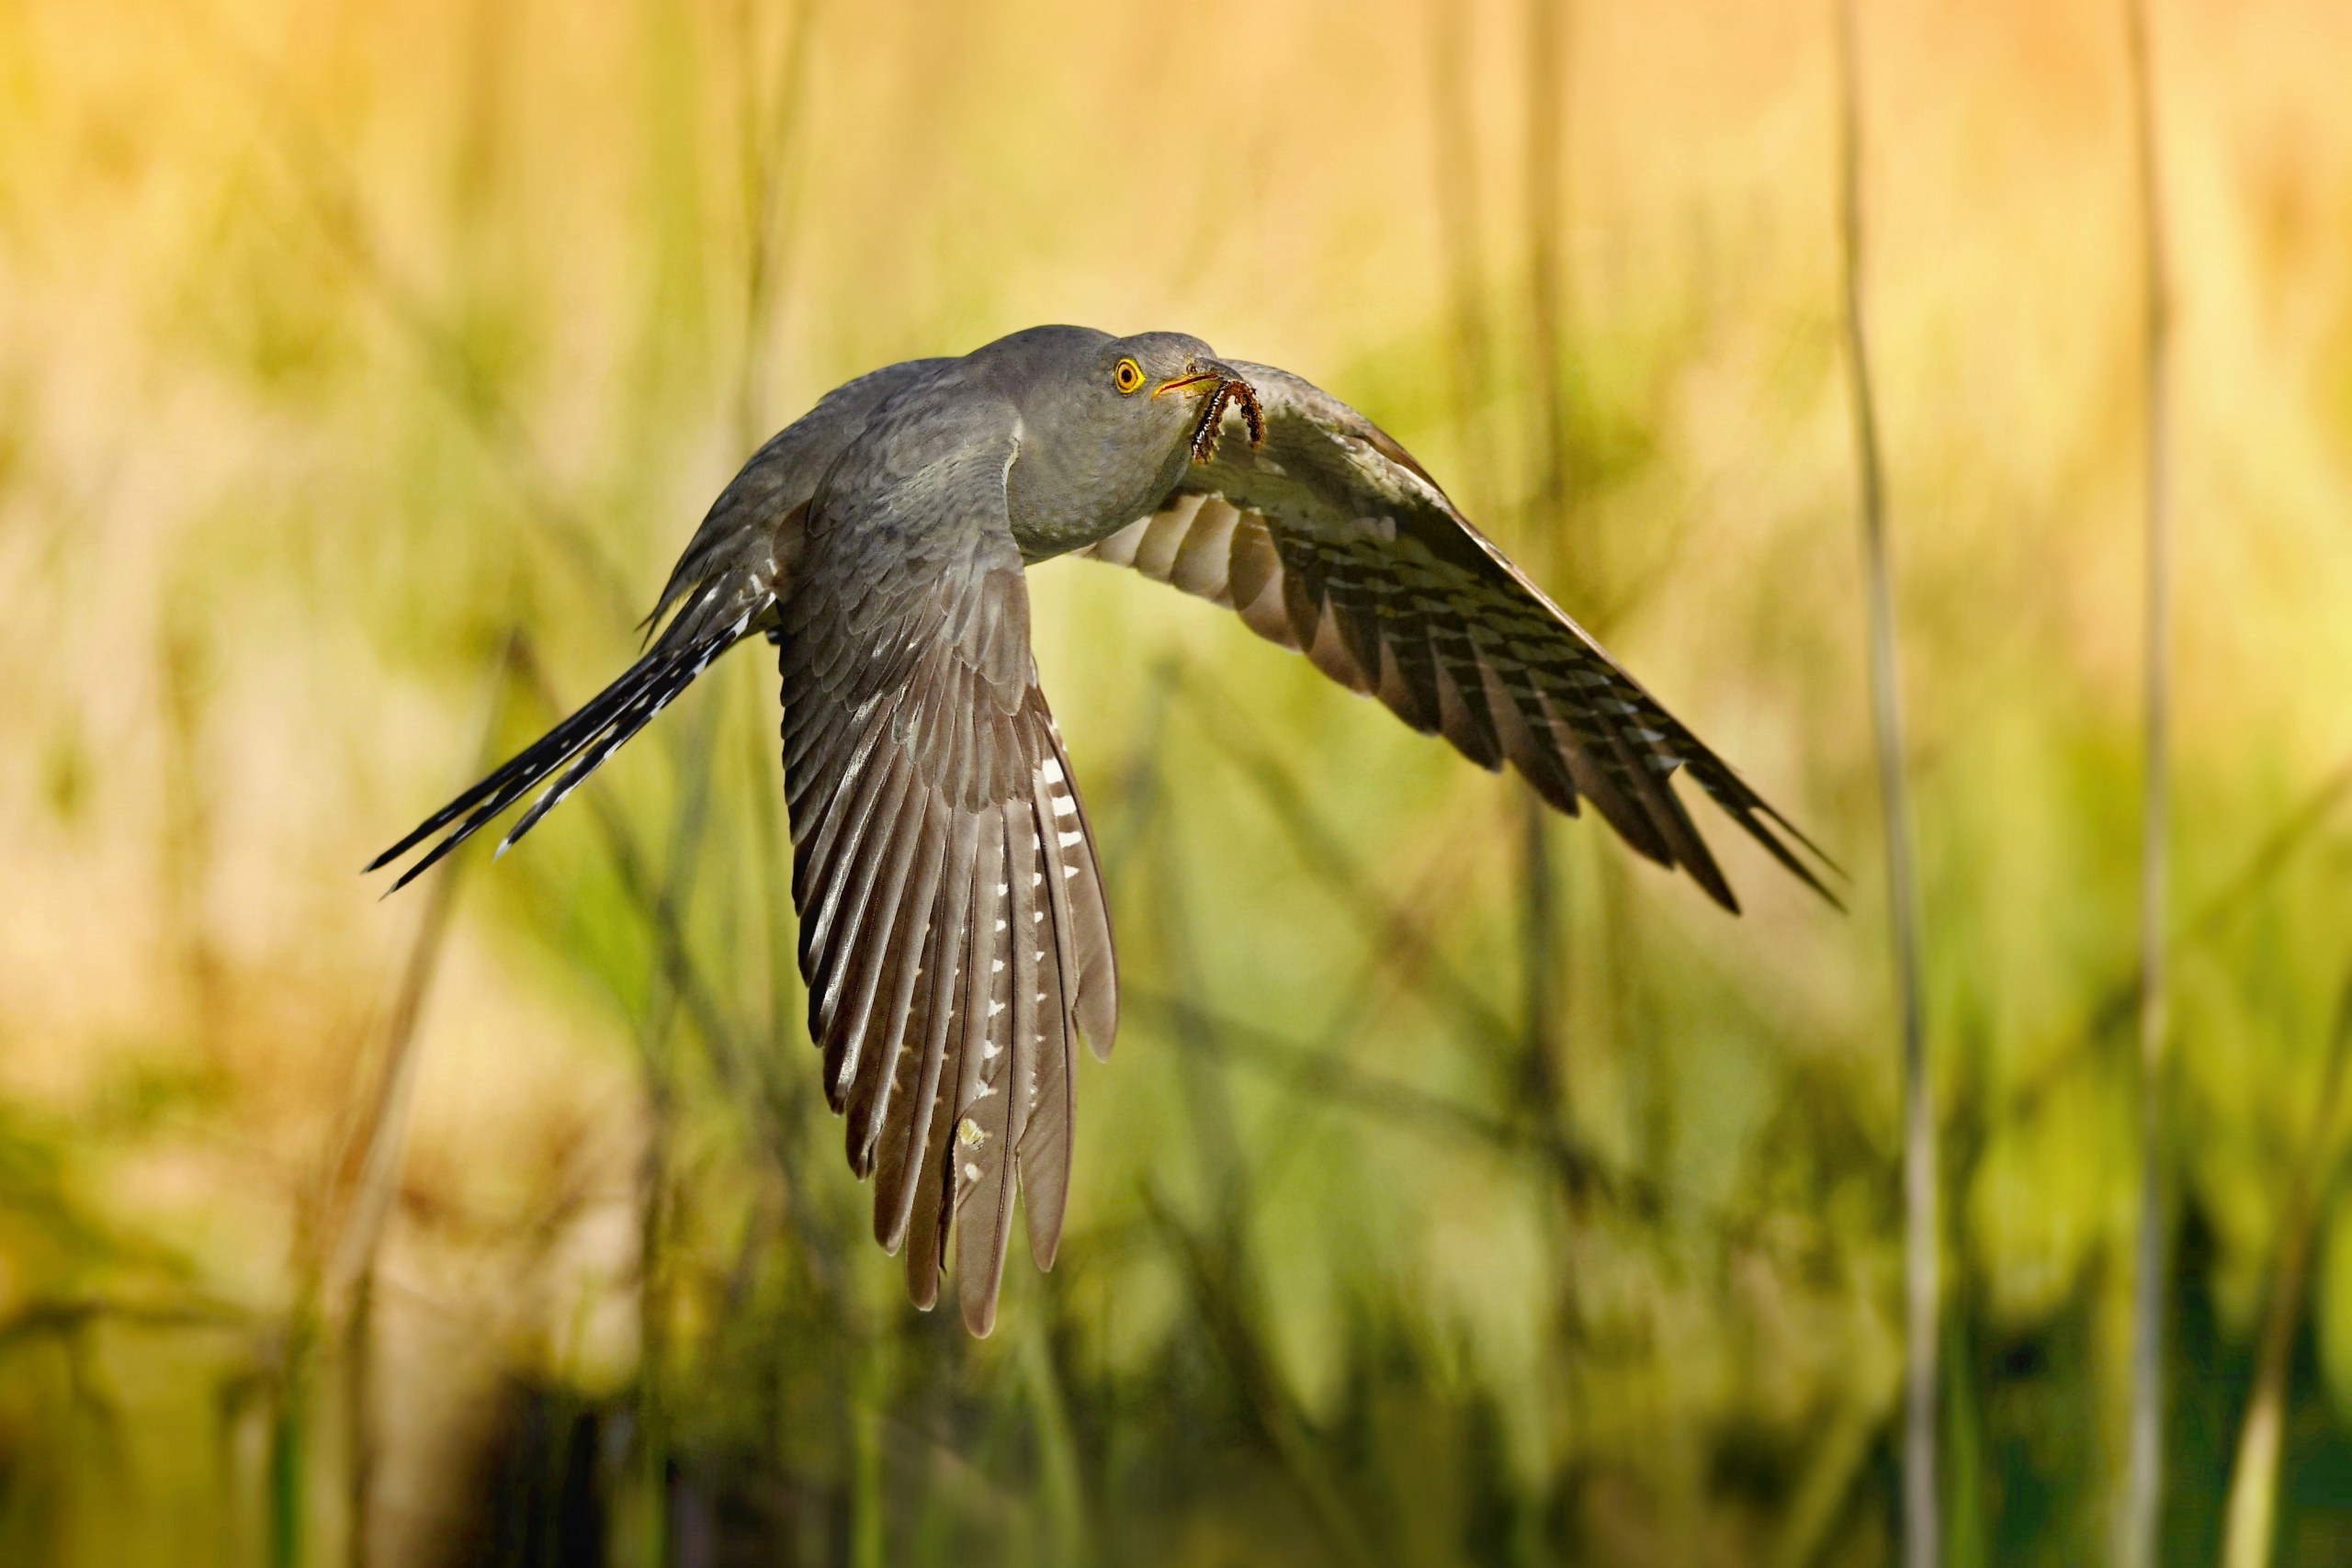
(953, 932)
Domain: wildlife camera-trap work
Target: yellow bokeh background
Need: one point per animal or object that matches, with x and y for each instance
(363, 365)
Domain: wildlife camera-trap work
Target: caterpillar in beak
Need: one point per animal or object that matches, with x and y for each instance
(1232, 389)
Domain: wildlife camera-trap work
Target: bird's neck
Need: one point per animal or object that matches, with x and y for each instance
(1064, 496)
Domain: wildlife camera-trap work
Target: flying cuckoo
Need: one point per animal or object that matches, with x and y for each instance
(953, 932)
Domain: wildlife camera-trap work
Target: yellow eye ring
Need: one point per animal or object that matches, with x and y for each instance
(1128, 376)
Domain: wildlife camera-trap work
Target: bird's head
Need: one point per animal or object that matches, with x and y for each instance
(1179, 385)
(1114, 421)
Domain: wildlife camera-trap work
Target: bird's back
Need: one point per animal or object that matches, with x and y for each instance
(752, 532)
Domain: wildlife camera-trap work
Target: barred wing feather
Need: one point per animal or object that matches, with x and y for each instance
(1330, 539)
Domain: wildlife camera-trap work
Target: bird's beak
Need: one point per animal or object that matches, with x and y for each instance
(1201, 375)
(1194, 382)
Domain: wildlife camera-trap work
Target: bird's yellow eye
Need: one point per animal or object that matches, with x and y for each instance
(1127, 377)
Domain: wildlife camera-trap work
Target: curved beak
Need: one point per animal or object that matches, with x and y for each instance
(1200, 376)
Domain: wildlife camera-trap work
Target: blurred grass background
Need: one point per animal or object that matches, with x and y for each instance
(363, 364)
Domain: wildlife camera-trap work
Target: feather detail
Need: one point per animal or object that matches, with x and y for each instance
(1325, 536)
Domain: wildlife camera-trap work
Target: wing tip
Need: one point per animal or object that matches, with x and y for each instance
(1719, 889)
(1099, 1032)
(979, 1308)
(1045, 1239)
(1760, 821)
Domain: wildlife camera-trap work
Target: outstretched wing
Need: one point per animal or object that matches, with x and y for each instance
(1330, 539)
(953, 928)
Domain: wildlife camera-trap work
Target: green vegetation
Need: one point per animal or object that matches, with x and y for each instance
(361, 368)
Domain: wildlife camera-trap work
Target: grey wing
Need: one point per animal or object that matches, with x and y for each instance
(1330, 539)
(953, 928)
(751, 532)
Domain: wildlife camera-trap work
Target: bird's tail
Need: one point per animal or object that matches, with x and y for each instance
(582, 741)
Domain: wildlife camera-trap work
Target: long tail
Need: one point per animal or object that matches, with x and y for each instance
(584, 741)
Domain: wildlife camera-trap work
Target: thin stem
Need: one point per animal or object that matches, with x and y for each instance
(361, 1187)
(2143, 1491)
(369, 1166)
(1541, 962)
(1545, 308)
(1922, 1531)
(359, 1425)
(1456, 164)
(2252, 1519)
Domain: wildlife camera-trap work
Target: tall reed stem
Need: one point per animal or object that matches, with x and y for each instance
(2143, 1485)
(2250, 1525)
(1541, 918)
(1921, 1526)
